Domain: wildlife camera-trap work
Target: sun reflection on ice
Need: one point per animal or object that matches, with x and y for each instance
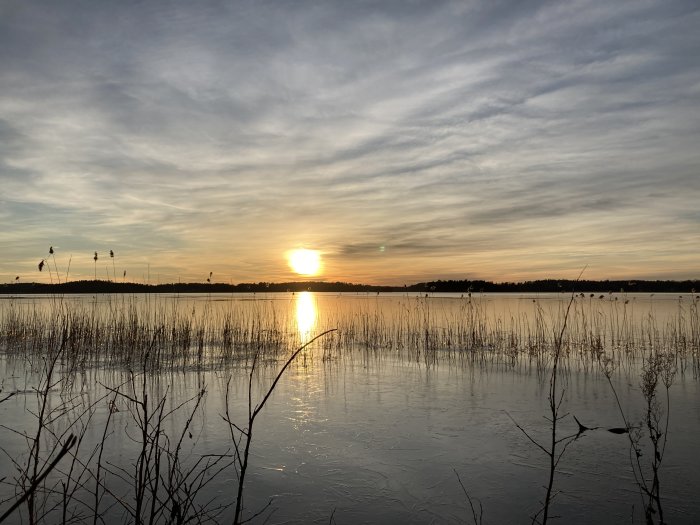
(307, 315)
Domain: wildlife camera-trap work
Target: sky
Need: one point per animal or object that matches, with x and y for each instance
(403, 140)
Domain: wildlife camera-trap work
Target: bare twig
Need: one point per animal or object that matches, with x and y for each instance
(242, 458)
(476, 516)
(72, 440)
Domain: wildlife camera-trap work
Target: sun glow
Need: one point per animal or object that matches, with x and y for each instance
(305, 262)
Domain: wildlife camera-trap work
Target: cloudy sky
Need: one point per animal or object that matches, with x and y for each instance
(404, 140)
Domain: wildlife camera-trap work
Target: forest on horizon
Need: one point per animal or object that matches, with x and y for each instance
(438, 286)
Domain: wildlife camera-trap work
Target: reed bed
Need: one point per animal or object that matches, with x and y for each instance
(470, 332)
(182, 333)
(118, 331)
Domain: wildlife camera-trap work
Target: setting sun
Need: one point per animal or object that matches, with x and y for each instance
(305, 262)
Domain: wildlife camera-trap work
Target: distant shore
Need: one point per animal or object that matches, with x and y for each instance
(439, 286)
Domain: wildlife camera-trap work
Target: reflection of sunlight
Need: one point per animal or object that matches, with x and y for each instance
(306, 315)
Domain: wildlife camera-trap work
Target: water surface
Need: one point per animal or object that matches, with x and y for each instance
(371, 425)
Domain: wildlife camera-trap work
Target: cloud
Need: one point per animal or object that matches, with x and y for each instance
(501, 137)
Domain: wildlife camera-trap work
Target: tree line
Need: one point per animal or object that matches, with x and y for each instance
(438, 286)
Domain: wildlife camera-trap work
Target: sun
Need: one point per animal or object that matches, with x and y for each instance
(305, 262)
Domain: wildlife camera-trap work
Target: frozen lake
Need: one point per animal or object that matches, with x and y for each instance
(371, 423)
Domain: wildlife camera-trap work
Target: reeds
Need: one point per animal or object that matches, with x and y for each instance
(116, 331)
